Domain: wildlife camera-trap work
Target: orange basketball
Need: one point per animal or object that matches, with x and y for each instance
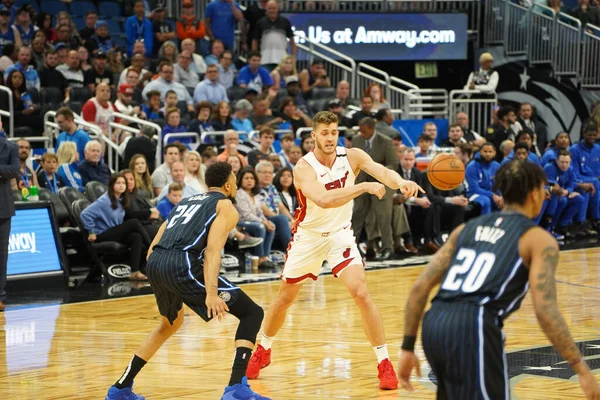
(446, 171)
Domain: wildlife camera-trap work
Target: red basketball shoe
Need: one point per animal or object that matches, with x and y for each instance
(261, 359)
(387, 375)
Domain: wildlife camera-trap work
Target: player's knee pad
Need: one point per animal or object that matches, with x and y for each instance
(250, 319)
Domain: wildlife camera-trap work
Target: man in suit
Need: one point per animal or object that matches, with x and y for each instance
(529, 121)
(366, 206)
(9, 169)
(448, 206)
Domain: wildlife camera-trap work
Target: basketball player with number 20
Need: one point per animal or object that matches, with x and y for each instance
(322, 231)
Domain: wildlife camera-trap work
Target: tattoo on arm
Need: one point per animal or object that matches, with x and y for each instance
(548, 314)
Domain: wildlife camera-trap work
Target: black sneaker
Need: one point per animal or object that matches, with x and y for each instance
(267, 265)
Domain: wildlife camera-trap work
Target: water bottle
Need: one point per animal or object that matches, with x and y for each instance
(248, 263)
(25, 194)
(33, 193)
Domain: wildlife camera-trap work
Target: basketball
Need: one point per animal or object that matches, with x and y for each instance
(446, 172)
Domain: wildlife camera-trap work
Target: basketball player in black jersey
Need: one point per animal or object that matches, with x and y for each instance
(485, 269)
(183, 267)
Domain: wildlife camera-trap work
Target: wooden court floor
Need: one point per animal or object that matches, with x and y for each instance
(77, 351)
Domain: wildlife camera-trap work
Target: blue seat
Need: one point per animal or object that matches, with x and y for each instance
(120, 41)
(109, 9)
(114, 27)
(32, 3)
(81, 8)
(54, 7)
(79, 22)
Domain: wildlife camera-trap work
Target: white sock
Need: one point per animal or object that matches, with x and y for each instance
(267, 341)
(381, 352)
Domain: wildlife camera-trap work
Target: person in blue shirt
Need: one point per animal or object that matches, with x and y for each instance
(220, 19)
(561, 142)
(138, 27)
(32, 79)
(173, 198)
(152, 107)
(425, 144)
(240, 120)
(480, 180)
(174, 126)
(67, 166)
(47, 177)
(586, 163)
(210, 89)
(178, 175)
(105, 221)
(253, 76)
(23, 27)
(201, 123)
(570, 205)
(65, 119)
(7, 34)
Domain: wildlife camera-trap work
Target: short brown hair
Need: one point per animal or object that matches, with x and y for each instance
(465, 148)
(202, 105)
(266, 131)
(65, 112)
(324, 117)
(425, 138)
(455, 126)
(171, 111)
(48, 156)
(152, 93)
(287, 136)
(175, 187)
(209, 152)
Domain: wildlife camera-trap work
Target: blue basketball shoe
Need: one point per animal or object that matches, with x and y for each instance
(122, 394)
(241, 391)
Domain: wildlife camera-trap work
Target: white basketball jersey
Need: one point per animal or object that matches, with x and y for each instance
(319, 220)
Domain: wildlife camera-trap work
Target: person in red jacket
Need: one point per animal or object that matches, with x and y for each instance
(188, 26)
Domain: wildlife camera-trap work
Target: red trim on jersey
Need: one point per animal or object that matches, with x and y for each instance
(300, 213)
(338, 268)
(291, 281)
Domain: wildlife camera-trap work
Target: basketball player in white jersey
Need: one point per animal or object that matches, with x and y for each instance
(322, 231)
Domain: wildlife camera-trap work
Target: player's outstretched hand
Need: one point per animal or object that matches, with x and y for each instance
(410, 188)
(216, 307)
(589, 386)
(375, 188)
(408, 361)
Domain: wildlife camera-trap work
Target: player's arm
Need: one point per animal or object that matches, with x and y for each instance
(541, 250)
(305, 179)
(390, 178)
(157, 238)
(417, 299)
(225, 221)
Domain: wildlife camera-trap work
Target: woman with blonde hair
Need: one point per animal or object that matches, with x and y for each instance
(193, 171)
(285, 69)
(67, 165)
(84, 58)
(168, 51)
(143, 181)
(376, 92)
(115, 61)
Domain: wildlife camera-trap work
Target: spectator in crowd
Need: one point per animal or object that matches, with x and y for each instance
(32, 79)
(64, 18)
(295, 155)
(232, 141)
(342, 93)
(124, 102)
(114, 60)
(335, 107)
(193, 171)
(178, 174)
(586, 13)
(101, 39)
(293, 117)
(210, 89)
(307, 145)
(90, 25)
(285, 69)
(221, 117)
(152, 107)
(161, 177)
(430, 129)
(138, 27)
(44, 25)
(171, 101)
(9, 56)
(140, 208)
(284, 182)
(271, 36)
(527, 138)
(464, 151)
(168, 52)
(7, 33)
(586, 163)
(380, 149)
(133, 79)
(240, 119)
(99, 109)
(170, 201)
(220, 19)
(506, 148)
(61, 53)
(202, 122)
(23, 27)
(69, 132)
(292, 87)
(173, 117)
(138, 61)
(253, 75)
(262, 116)
(84, 58)
(275, 162)
(563, 185)
(197, 64)
(98, 73)
(266, 137)
(66, 37)
(455, 136)
(209, 157)
(26, 113)
(227, 70)
(189, 26)
(479, 175)
(253, 13)
(366, 110)
(183, 71)
(47, 177)
(485, 80)
(315, 76)
(141, 173)
(27, 177)
(72, 70)
(502, 131)
(93, 168)
(385, 119)
(271, 204)
(287, 142)
(425, 145)
(520, 152)
(376, 93)
(217, 48)
(104, 220)
(38, 49)
(529, 121)
(235, 163)
(557, 6)
(166, 82)
(561, 142)
(252, 218)
(469, 135)
(68, 158)
(162, 30)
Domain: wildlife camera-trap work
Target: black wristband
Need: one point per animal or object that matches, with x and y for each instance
(409, 343)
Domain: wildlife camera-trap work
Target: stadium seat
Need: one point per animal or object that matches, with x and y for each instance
(235, 93)
(79, 23)
(322, 93)
(93, 190)
(35, 95)
(81, 8)
(68, 195)
(54, 7)
(110, 9)
(75, 106)
(60, 211)
(114, 27)
(32, 3)
(52, 95)
(119, 41)
(80, 94)
(317, 105)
